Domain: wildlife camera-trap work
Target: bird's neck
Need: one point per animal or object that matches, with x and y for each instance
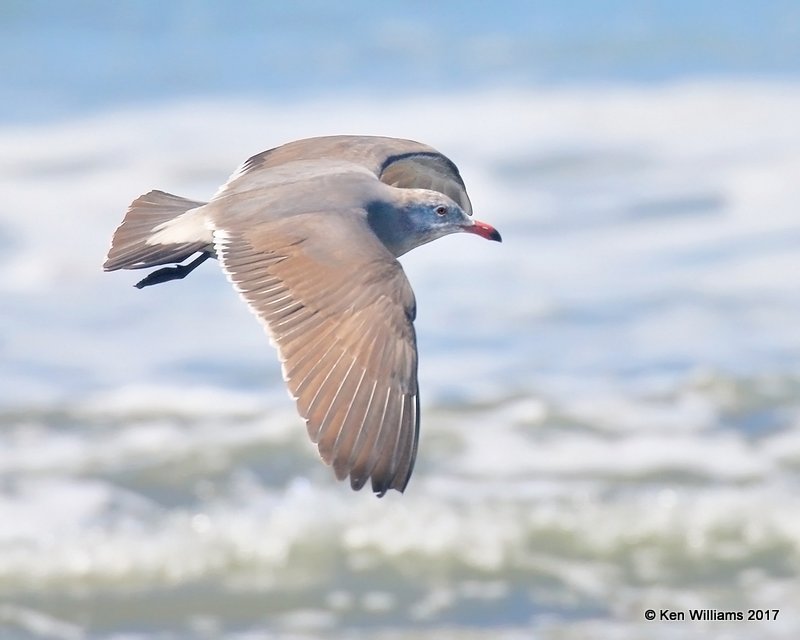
(393, 227)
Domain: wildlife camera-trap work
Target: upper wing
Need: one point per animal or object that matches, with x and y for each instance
(340, 310)
(400, 163)
(426, 170)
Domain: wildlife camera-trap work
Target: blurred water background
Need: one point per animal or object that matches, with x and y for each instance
(611, 398)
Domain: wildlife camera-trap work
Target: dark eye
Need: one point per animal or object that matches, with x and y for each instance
(441, 210)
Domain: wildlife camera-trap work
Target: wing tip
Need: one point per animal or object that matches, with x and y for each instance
(380, 485)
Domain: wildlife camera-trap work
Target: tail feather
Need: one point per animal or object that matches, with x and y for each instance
(135, 246)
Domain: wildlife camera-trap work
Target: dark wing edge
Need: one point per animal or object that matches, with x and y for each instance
(347, 346)
(426, 170)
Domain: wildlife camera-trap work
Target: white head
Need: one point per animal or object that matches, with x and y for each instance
(419, 217)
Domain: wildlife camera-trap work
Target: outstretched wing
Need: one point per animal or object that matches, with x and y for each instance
(405, 164)
(340, 310)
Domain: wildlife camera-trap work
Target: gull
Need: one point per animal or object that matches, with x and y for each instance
(309, 234)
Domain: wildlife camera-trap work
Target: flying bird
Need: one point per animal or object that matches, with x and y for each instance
(309, 234)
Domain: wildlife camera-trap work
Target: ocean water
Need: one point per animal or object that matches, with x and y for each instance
(611, 398)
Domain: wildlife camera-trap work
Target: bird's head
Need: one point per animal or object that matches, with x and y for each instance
(423, 216)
